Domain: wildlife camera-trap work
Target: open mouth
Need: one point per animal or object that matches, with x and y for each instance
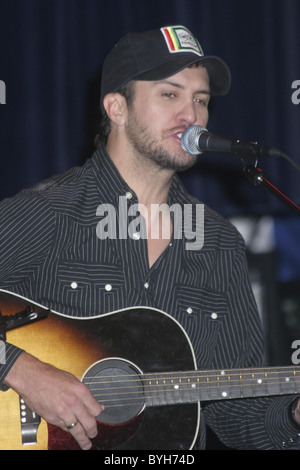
(178, 136)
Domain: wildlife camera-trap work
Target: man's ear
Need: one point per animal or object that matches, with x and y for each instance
(115, 107)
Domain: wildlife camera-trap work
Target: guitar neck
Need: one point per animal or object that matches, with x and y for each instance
(194, 386)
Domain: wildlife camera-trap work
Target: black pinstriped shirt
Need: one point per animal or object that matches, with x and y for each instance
(50, 252)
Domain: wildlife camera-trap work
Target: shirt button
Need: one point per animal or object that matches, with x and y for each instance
(189, 310)
(128, 195)
(146, 285)
(136, 236)
(108, 287)
(74, 285)
(214, 316)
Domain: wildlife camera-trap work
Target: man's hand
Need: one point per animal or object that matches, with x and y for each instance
(57, 396)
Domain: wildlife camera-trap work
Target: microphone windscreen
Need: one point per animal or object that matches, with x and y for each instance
(189, 139)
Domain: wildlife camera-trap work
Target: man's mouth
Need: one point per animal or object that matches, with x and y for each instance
(178, 135)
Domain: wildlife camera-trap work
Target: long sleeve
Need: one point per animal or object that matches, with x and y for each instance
(253, 423)
(26, 228)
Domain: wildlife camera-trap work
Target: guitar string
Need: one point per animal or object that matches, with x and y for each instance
(202, 387)
(111, 396)
(154, 389)
(143, 383)
(182, 376)
(228, 373)
(117, 399)
(228, 388)
(191, 385)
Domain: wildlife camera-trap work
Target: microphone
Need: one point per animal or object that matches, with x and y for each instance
(196, 140)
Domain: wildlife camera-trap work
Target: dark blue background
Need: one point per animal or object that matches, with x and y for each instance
(51, 53)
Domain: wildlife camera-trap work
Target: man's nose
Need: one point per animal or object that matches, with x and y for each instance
(188, 113)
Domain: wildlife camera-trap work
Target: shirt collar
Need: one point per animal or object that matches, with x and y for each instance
(105, 170)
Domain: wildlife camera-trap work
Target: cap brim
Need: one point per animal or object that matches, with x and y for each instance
(218, 72)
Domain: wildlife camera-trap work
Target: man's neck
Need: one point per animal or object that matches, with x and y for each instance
(150, 183)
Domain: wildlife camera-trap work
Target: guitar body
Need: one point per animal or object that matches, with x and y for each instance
(141, 339)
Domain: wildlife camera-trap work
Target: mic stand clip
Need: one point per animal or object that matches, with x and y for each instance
(249, 160)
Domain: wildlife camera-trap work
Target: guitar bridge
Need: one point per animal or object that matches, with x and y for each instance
(30, 422)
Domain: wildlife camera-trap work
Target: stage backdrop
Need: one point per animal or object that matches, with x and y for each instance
(50, 62)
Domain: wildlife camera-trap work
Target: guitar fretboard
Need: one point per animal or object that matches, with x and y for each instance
(193, 386)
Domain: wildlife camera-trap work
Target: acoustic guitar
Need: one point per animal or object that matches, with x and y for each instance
(138, 362)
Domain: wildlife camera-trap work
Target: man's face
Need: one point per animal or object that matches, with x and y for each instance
(162, 110)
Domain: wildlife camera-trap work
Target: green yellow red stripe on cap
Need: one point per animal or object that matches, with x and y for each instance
(180, 39)
(171, 37)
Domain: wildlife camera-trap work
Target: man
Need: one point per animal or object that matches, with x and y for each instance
(155, 85)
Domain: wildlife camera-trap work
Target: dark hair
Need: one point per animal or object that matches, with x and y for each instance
(104, 126)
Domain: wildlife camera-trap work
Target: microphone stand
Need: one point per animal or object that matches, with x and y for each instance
(256, 176)
(249, 159)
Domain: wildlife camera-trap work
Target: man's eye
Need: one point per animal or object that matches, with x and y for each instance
(169, 95)
(200, 101)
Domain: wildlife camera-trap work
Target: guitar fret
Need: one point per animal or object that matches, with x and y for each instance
(260, 383)
(171, 388)
(225, 384)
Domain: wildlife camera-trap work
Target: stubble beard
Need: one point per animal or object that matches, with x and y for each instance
(148, 147)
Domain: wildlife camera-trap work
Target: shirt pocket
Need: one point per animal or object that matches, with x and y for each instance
(89, 289)
(202, 313)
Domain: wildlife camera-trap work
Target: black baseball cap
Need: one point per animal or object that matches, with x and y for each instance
(158, 54)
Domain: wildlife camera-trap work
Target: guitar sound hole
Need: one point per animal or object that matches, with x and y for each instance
(117, 385)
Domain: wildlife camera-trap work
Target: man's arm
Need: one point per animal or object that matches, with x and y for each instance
(57, 396)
